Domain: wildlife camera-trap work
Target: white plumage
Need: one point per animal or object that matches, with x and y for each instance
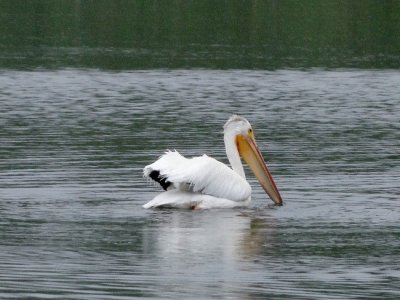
(204, 182)
(197, 177)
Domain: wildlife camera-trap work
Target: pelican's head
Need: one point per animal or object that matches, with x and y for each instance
(239, 129)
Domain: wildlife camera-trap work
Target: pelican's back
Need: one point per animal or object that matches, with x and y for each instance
(203, 174)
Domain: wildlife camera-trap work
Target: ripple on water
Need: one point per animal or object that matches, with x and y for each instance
(74, 142)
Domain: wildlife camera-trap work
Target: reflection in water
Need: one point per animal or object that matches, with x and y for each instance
(259, 238)
(230, 236)
(208, 34)
(212, 245)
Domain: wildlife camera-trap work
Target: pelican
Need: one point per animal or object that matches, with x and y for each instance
(203, 182)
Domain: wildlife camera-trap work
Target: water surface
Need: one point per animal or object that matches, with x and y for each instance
(153, 34)
(74, 142)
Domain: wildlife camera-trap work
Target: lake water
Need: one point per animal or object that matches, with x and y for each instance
(92, 91)
(74, 142)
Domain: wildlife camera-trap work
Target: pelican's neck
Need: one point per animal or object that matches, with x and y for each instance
(233, 154)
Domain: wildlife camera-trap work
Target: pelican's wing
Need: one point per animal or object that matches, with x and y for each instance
(201, 174)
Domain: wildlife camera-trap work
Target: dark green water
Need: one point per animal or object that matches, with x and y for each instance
(151, 34)
(92, 91)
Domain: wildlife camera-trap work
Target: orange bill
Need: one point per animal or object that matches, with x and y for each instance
(249, 151)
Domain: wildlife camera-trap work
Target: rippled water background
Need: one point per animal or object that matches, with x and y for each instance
(90, 93)
(73, 143)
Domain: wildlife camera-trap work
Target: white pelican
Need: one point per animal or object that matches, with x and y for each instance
(203, 182)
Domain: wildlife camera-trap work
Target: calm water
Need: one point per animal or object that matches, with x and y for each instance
(92, 91)
(234, 34)
(74, 142)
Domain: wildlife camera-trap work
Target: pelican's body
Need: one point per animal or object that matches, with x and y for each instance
(203, 182)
